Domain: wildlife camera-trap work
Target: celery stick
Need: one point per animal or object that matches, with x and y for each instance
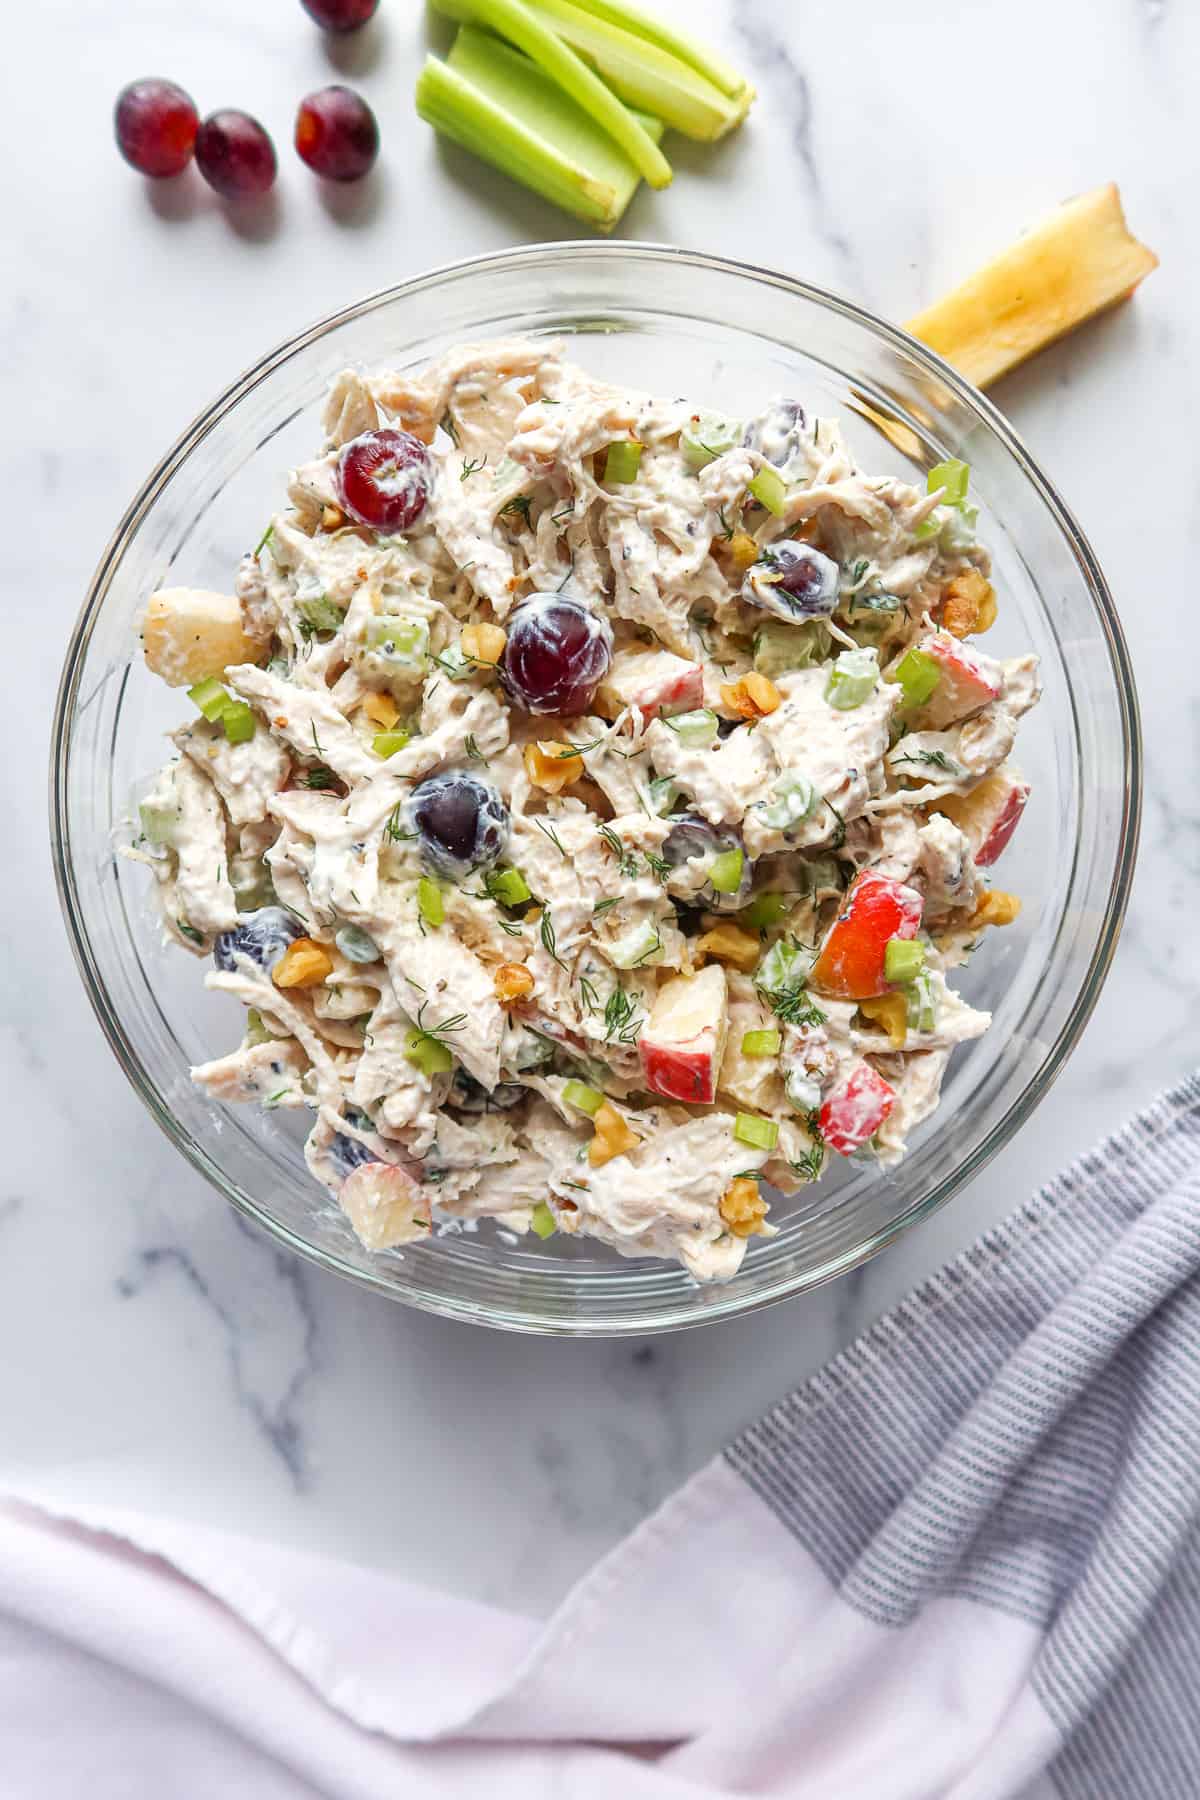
(632, 18)
(499, 105)
(641, 73)
(513, 20)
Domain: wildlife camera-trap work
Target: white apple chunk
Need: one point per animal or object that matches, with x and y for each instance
(684, 1040)
(655, 681)
(384, 1205)
(189, 634)
(968, 680)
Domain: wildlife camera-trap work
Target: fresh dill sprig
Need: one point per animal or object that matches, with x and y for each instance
(549, 941)
(443, 1029)
(621, 1018)
(650, 950)
(319, 777)
(626, 862)
(472, 749)
(591, 998)
(472, 467)
(394, 830)
(549, 832)
(809, 1165)
(603, 906)
(658, 865)
(936, 759)
(518, 507)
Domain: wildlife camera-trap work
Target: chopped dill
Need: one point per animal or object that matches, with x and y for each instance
(472, 467)
(603, 906)
(839, 836)
(443, 1029)
(936, 759)
(472, 749)
(549, 832)
(549, 941)
(319, 777)
(317, 741)
(517, 507)
(447, 424)
(621, 1017)
(591, 998)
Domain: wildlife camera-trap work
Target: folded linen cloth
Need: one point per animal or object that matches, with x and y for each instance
(961, 1563)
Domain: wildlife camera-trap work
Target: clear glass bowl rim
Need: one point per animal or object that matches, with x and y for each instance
(1026, 1100)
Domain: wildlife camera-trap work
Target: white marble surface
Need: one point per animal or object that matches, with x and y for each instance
(153, 1350)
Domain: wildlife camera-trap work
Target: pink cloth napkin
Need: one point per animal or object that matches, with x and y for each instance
(961, 1563)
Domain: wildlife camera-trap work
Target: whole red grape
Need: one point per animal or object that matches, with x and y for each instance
(235, 155)
(556, 656)
(384, 479)
(336, 134)
(155, 123)
(340, 15)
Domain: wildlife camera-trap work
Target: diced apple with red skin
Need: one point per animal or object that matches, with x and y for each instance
(684, 1040)
(855, 1109)
(969, 680)
(655, 681)
(851, 962)
(989, 814)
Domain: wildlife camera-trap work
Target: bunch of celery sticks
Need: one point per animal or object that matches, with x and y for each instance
(571, 97)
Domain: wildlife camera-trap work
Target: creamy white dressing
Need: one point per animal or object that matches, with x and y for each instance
(403, 1039)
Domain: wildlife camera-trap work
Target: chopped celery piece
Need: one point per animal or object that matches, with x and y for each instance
(663, 795)
(770, 490)
(256, 1031)
(541, 1221)
(695, 730)
(903, 959)
(917, 675)
(760, 1134)
(398, 639)
(762, 1043)
(785, 966)
(622, 461)
(386, 743)
(356, 946)
(953, 477)
(238, 722)
(644, 74)
(922, 1007)
(928, 527)
(635, 947)
(497, 104)
(587, 1099)
(430, 904)
(793, 798)
(509, 887)
(512, 20)
(653, 30)
(764, 911)
(708, 436)
(321, 613)
(209, 697)
(852, 679)
(159, 822)
(725, 872)
(427, 1053)
(780, 646)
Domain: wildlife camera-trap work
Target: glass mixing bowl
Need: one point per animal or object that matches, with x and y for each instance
(729, 336)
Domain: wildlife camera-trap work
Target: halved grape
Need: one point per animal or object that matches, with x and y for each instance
(263, 936)
(776, 432)
(156, 124)
(557, 654)
(384, 478)
(793, 581)
(462, 822)
(692, 846)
